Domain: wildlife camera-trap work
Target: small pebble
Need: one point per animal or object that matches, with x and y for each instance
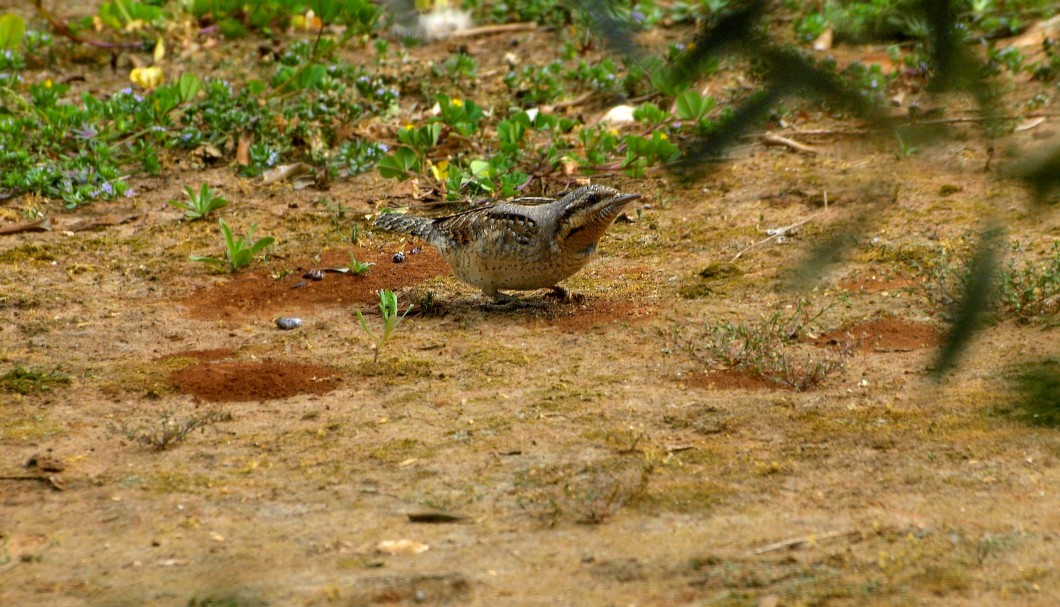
(299, 284)
(287, 323)
(314, 275)
(398, 257)
(416, 251)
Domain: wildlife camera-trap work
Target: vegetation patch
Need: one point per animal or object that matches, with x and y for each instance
(23, 380)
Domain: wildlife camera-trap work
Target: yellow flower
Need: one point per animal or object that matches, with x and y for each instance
(160, 50)
(135, 25)
(458, 103)
(663, 136)
(48, 83)
(440, 170)
(147, 77)
(308, 22)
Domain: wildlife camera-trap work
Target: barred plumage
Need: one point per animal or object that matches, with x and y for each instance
(517, 245)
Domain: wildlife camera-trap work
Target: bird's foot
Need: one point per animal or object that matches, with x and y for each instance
(564, 295)
(505, 302)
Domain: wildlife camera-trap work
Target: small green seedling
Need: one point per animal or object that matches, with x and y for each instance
(358, 268)
(200, 205)
(239, 251)
(388, 309)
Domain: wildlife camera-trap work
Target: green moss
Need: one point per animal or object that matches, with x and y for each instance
(720, 271)
(394, 368)
(680, 496)
(711, 280)
(1037, 399)
(398, 450)
(21, 380)
(177, 482)
(28, 252)
(29, 429)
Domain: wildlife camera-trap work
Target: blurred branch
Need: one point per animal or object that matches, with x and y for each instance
(973, 302)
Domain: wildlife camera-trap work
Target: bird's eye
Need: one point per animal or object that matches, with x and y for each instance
(592, 198)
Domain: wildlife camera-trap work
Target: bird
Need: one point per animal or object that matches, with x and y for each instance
(521, 244)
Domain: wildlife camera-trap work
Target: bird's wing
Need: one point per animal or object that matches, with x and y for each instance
(504, 223)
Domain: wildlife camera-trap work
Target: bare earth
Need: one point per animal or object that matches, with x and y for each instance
(587, 458)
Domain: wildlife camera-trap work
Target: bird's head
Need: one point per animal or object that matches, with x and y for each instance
(589, 211)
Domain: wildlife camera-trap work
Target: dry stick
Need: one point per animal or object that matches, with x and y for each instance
(41, 225)
(580, 99)
(803, 540)
(486, 30)
(52, 481)
(778, 232)
(774, 139)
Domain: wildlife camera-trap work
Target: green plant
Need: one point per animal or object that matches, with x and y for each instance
(358, 268)
(200, 204)
(1029, 290)
(239, 252)
(1022, 291)
(12, 30)
(769, 349)
(22, 380)
(388, 311)
(170, 431)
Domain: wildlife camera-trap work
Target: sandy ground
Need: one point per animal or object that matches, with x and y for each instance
(562, 453)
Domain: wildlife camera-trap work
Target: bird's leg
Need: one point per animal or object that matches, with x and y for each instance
(497, 296)
(565, 296)
(559, 293)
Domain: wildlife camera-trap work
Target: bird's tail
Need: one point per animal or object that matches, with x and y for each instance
(406, 224)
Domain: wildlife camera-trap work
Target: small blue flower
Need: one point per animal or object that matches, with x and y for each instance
(107, 188)
(680, 46)
(637, 16)
(384, 148)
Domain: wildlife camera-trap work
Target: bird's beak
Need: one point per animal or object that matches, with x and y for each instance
(620, 199)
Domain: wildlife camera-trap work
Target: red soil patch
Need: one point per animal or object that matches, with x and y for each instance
(728, 379)
(239, 381)
(203, 356)
(261, 295)
(877, 283)
(883, 335)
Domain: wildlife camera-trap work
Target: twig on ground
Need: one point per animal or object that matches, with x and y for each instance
(486, 30)
(41, 225)
(779, 232)
(806, 539)
(774, 139)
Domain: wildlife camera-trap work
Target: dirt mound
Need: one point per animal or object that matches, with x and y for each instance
(244, 381)
(258, 295)
(883, 335)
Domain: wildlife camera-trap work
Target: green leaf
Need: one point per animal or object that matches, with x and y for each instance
(189, 85)
(327, 10)
(261, 244)
(12, 29)
(212, 260)
(691, 105)
(398, 163)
